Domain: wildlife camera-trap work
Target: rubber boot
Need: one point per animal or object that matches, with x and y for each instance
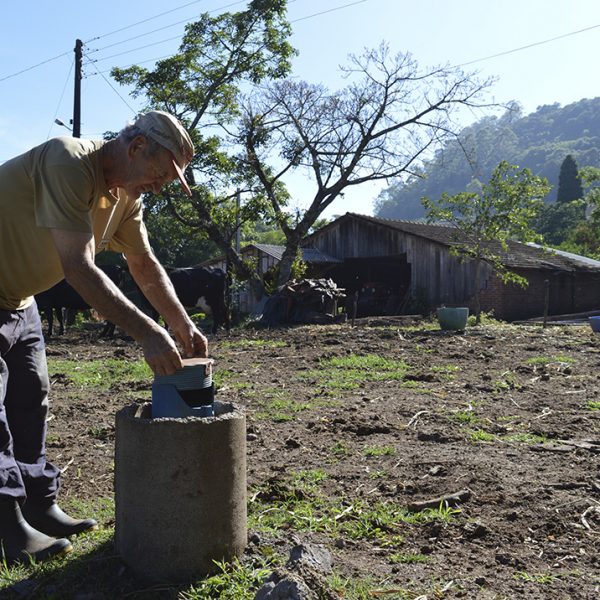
(51, 520)
(20, 541)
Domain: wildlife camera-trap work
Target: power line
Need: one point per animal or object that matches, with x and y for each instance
(61, 98)
(511, 51)
(221, 8)
(112, 87)
(144, 21)
(116, 31)
(159, 28)
(177, 37)
(135, 49)
(328, 11)
(558, 37)
(35, 66)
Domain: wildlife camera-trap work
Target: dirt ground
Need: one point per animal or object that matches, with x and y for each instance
(508, 416)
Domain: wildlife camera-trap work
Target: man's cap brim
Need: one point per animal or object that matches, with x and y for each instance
(181, 176)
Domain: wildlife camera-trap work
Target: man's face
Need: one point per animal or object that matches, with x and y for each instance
(149, 173)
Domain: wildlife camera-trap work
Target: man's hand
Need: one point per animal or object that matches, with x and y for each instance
(193, 342)
(160, 352)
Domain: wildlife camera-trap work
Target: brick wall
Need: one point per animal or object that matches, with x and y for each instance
(569, 293)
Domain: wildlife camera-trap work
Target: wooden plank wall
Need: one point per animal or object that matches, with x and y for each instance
(437, 277)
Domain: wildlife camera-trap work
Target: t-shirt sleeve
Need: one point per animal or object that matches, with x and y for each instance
(131, 236)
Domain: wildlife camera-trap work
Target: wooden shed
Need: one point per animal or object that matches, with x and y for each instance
(414, 262)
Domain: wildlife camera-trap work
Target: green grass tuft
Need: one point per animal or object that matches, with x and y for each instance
(101, 374)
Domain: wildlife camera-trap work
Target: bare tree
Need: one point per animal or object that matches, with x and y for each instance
(390, 117)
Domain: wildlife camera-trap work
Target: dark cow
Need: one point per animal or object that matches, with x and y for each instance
(199, 287)
(63, 295)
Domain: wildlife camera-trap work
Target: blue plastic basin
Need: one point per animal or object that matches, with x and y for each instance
(595, 324)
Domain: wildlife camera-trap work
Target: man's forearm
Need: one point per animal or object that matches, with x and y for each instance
(105, 297)
(158, 289)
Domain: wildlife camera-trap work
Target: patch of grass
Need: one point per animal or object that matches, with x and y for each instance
(236, 581)
(298, 503)
(297, 511)
(445, 371)
(507, 381)
(383, 521)
(593, 405)
(278, 406)
(339, 449)
(465, 417)
(547, 360)
(101, 374)
(479, 435)
(541, 578)
(422, 326)
(509, 418)
(363, 589)
(232, 380)
(416, 386)
(349, 372)
(485, 318)
(100, 433)
(526, 438)
(371, 451)
(424, 349)
(245, 344)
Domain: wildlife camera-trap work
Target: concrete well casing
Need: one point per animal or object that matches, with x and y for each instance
(180, 492)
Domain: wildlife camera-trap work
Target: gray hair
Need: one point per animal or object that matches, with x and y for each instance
(130, 132)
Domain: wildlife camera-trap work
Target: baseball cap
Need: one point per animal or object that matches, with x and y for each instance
(170, 134)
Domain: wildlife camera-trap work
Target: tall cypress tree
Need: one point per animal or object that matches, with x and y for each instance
(569, 182)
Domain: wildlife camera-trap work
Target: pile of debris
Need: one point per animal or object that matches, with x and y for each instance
(312, 301)
(304, 576)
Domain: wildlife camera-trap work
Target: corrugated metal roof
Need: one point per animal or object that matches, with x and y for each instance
(309, 255)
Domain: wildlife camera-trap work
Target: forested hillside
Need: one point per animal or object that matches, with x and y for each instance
(539, 141)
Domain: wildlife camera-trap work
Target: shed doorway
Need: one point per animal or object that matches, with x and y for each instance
(382, 283)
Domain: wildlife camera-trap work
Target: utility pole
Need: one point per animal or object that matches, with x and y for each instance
(77, 95)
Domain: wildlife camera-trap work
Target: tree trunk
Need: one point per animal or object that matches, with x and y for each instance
(285, 266)
(478, 292)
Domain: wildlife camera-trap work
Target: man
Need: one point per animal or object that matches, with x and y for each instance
(60, 204)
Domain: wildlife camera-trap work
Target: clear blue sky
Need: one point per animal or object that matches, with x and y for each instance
(434, 31)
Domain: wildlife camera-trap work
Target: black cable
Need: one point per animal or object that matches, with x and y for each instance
(558, 37)
(35, 66)
(111, 86)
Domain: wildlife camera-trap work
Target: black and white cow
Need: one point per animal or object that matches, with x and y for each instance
(63, 295)
(199, 287)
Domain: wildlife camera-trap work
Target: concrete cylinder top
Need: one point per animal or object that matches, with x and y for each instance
(180, 492)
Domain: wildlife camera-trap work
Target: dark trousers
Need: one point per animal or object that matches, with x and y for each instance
(24, 471)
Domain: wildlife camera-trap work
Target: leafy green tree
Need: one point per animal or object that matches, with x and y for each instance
(569, 182)
(174, 243)
(584, 238)
(500, 210)
(557, 221)
(389, 117)
(200, 85)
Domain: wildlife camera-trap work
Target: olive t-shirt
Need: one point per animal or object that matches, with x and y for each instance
(58, 185)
